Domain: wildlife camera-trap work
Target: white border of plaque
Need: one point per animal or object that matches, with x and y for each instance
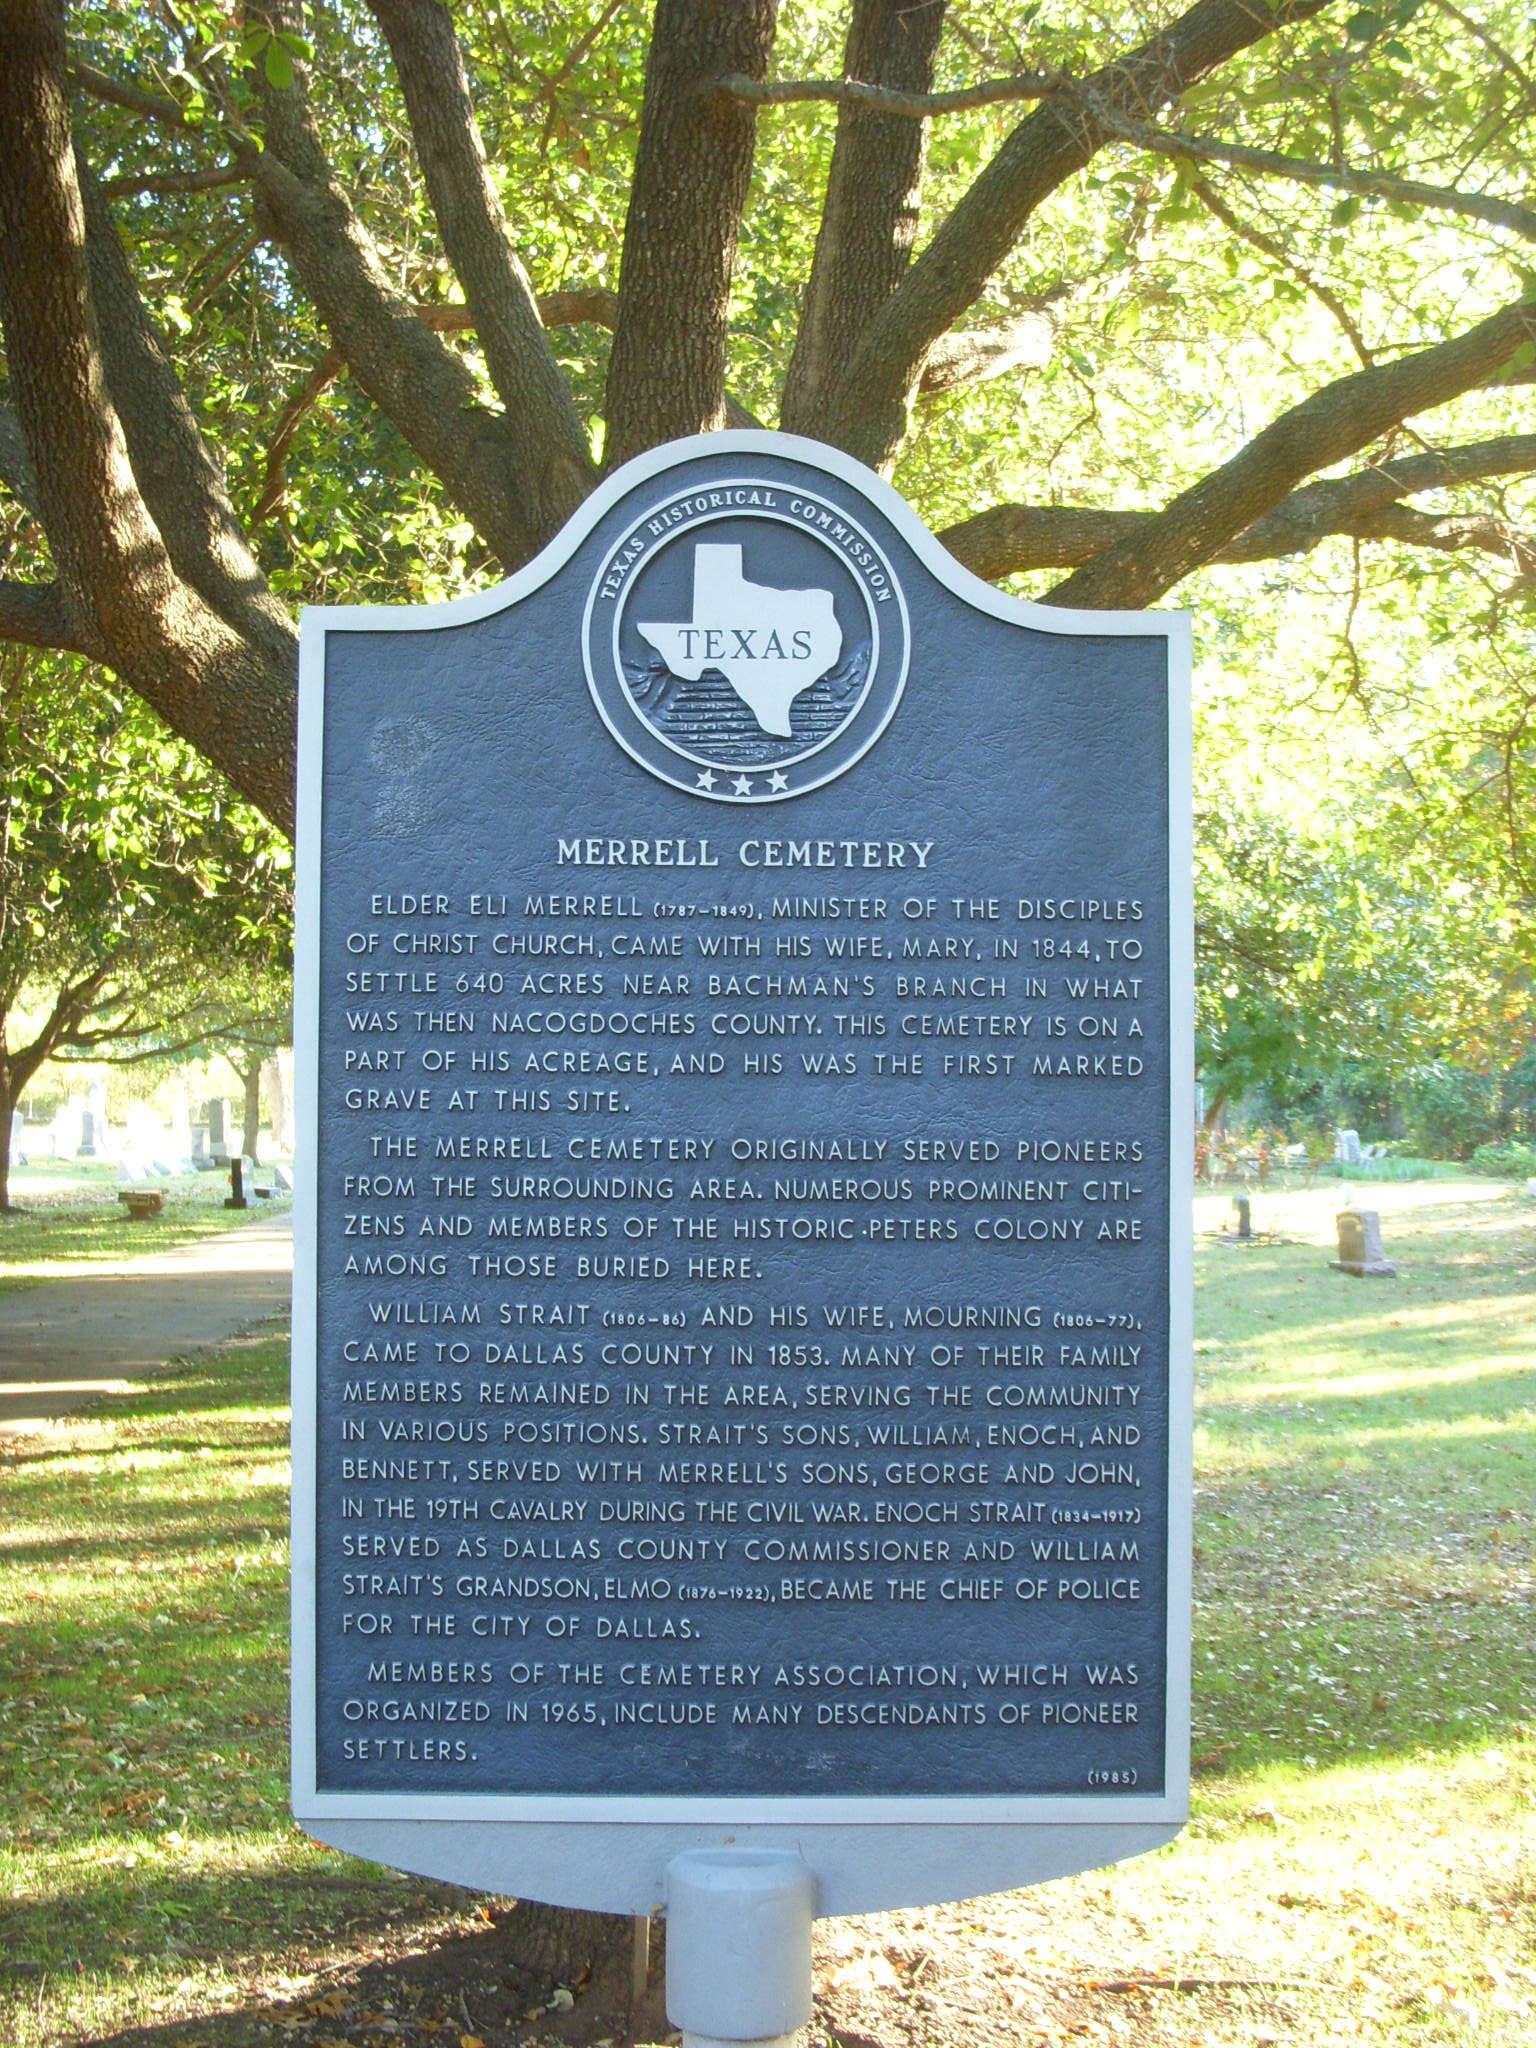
(868, 1852)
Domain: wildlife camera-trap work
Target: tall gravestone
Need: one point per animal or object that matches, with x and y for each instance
(216, 1114)
(742, 1295)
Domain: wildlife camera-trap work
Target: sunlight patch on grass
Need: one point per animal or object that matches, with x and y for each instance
(1329, 1380)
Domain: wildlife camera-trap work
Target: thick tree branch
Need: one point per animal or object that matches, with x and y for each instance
(15, 463)
(1174, 142)
(975, 355)
(593, 303)
(886, 99)
(71, 1004)
(181, 483)
(215, 1035)
(134, 99)
(1007, 540)
(1405, 476)
(420, 384)
(581, 303)
(869, 214)
(118, 584)
(569, 308)
(37, 615)
(869, 414)
(666, 370)
(1453, 533)
(1324, 429)
(165, 183)
(544, 434)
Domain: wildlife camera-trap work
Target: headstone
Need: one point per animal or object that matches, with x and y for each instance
(1244, 1207)
(742, 1268)
(237, 1198)
(282, 1179)
(95, 1134)
(18, 1154)
(1346, 1147)
(1360, 1247)
(217, 1115)
(68, 1122)
(202, 1154)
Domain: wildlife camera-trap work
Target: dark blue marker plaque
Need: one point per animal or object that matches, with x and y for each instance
(742, 1380)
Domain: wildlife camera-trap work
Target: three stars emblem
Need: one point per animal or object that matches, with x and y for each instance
(741, 785)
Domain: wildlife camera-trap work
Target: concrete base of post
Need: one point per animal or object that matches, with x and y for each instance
(739, 1947)
(714, 2041)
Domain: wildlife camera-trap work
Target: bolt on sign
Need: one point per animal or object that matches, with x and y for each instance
(742, 1298)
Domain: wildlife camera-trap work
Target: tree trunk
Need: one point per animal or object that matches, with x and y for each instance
(869, 218)
(693, 165)
(590, 1954)
(7, 1106)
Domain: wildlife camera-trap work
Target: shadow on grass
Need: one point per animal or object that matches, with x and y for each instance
(495, 1972)
(159, 1536)
(230, 1914)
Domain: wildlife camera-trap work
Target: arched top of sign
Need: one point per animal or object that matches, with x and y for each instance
(749, 447)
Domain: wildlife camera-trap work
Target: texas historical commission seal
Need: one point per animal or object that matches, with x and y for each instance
(746, 640)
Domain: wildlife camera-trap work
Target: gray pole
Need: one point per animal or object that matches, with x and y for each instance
(739, 1947)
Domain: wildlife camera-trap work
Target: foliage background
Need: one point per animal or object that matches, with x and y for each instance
(1364, 758)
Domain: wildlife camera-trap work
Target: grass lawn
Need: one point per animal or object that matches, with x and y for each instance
(1360, 1865)
(65, 1212)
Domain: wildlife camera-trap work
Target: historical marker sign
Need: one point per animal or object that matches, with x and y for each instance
(742, 1295)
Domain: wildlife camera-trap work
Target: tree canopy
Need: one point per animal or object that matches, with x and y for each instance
(1230, 301)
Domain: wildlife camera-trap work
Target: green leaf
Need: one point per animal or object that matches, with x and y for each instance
(278, 66)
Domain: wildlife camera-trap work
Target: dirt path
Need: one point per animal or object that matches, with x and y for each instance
(113, 1321)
